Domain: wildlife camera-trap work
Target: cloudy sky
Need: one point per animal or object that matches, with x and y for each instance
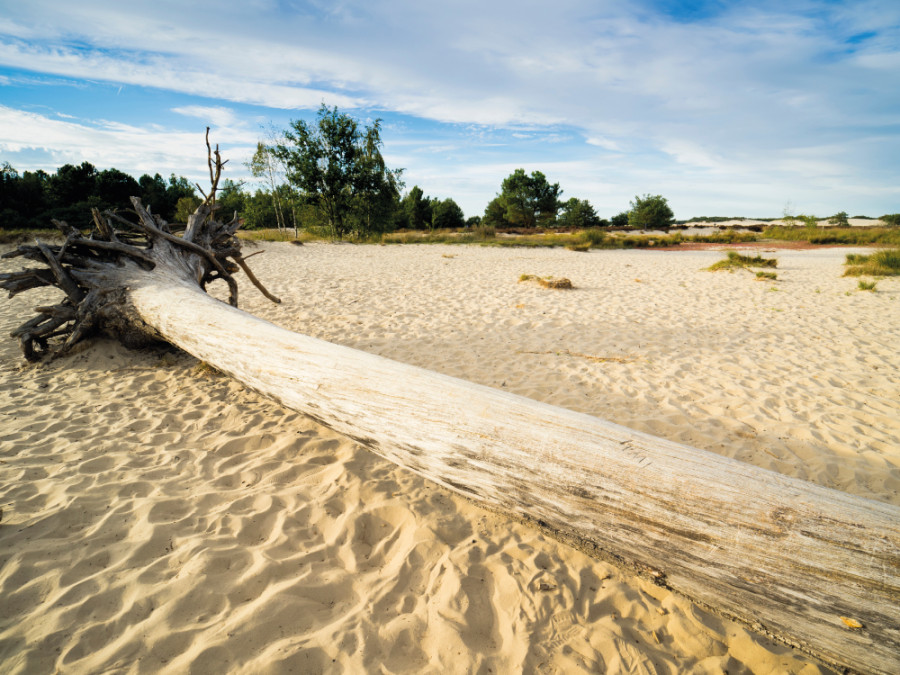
(725, 108)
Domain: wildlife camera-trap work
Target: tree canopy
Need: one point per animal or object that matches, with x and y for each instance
(650, 212)
(527, 201)
(339, 170)
(580, 214)
(31, 199)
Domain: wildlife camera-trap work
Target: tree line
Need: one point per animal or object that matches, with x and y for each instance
(328, 175)
(31, 199)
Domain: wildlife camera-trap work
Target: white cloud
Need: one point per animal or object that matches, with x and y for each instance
(218, 116)
(43, 142)
(740, 95)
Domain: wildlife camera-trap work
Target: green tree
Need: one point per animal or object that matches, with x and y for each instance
(495, 214)
(892, 219)
(529, 200)
(115, 188)
(417, 208)
(184, 208)
(580, 214)
(231, 200)
(619, 220)
(448, 215)
(377, 188)
(263, 165)
(321, 164)
(73, 184)
(650, 212)
(840, 218)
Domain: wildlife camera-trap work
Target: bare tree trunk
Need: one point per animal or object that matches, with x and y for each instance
(813, 567)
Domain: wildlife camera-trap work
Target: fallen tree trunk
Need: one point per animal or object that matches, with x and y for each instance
(813, 567)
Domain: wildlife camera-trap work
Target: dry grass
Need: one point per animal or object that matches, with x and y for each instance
(737, 261)
(548, 282)
(884, 263)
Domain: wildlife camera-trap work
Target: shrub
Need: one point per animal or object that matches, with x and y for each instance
(485, 231)
(866, 285)
(883, 263)
(594, 236)
(766, 276)
(735, 260)
(548, 282)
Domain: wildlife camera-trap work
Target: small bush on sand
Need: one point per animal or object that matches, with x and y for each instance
(866, 285)
(548, 282)
(582, 248)
(485, 232)
(766, 276)
(736, 261)
(884, 263)
(593, 237)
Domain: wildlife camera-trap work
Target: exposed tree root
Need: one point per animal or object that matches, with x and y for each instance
(92, 269)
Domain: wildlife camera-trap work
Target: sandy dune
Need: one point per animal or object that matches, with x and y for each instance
(160, 517)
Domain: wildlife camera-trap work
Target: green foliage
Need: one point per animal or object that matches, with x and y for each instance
(485, 232)
(185, 207)
(891, 219)
(839, 219)
(619, 220)
(525, 201)
(766, 276)
(579, 214)
(417, 208)
(265, 165)
(809, 221)
(495, 214)
(866, 285)
(735, 260)
(594, 237)
(883, 263)
(447, 215)
(340, 171)
(853, 236)
(31, 199)
(650, 212)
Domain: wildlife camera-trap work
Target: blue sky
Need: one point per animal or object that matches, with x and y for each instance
(725, 108)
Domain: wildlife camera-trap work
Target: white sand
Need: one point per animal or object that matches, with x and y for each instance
(158, 518)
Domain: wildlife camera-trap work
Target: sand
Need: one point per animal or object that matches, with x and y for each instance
(157, 516)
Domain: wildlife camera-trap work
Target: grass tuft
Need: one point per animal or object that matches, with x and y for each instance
(766, 276)
(884, 263)
(548, 282)
(737, 261)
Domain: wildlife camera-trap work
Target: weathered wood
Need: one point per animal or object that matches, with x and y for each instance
(785, 556)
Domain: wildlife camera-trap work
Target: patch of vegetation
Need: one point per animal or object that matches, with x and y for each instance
(272, 234)
(203, 369)
(883, 263)
(866, 285)
(581, 248)
(548, 282)
(735, 260)
(851, 236)
(766, 276)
